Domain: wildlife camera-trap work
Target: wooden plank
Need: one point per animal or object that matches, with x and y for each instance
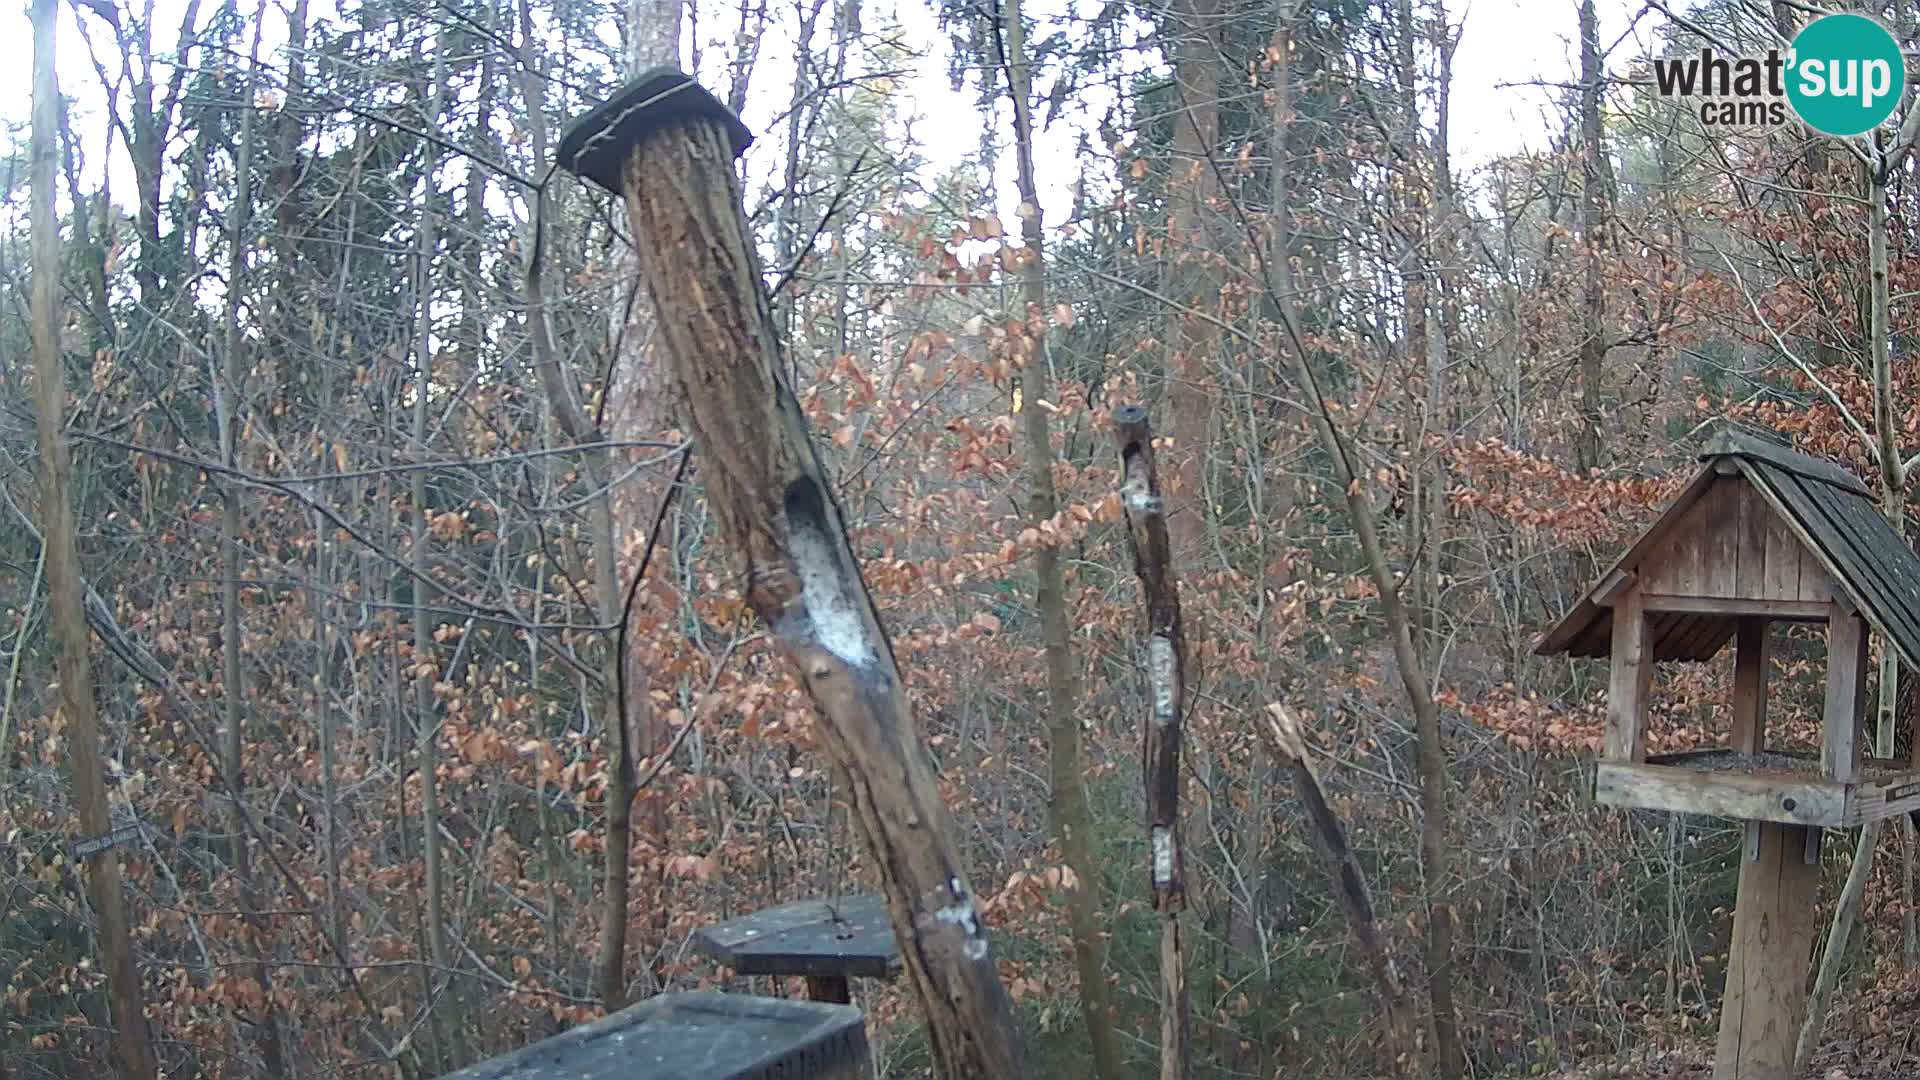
(1627, 687)
(1886, 798)
(1893, 556)
(1720, 538)
(1722, 632)
(697, 1035)
(1709, 632)
(1611, 586)
(1577, 622)
(1670, 636)
(1855, 544)
(1783, 557)
(1807, 800)
(1864, 554)
(1751, 577)
(1751, 659)
(845, 936)
(1846, 695)
(1816, 586)
(1783, 457)
(1766, 995)
(1789, 610)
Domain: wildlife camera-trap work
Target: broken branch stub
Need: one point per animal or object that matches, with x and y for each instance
(670, 146)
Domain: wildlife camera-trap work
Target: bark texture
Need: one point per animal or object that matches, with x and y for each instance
(1072, 816)
(1166, 648)
(72, 661)
(772, 502)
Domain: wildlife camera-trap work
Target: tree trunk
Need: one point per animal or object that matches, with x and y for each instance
(1166, 650)
(228, 410)
(1072, 817)
(72, 663)
(1596, 180)
(1350, 884)
(1196, 66)
(1435, 782)
(1893, 504)
(771, 500)
(425, 672)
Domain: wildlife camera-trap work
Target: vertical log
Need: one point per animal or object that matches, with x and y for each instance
(668, 146)
(1846, 694)
(1166, 649)
(1066, 763)
(1632, 671)
(72, 662)
(1766, 995)
(1750, 659)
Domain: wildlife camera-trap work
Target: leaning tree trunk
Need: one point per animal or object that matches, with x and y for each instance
(1072, 816)
(668, 146)
(1160, 742)
(1350, 885)
(72, 663)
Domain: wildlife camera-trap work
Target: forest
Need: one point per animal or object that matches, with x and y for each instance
(1112, 512)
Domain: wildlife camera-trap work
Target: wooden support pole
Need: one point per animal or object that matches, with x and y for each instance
(1166, 648)
(1750, 659)
(1846, 694)
(1766, 996)
(668, 147)
(830, 988)
(1631, 673)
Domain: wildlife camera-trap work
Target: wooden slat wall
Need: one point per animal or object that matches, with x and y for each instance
(1732, 545)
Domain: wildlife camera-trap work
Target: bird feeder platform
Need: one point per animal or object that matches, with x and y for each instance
(697, 1036)
(1762, 534)
(1782, 787)
(827, 941)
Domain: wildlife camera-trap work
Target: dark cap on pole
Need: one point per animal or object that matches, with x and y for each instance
(595, 146)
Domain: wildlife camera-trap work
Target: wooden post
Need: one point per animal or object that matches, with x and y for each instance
(830, 988)
(668, 146)
(1631, 672)
(1766, 996)
(1750, 659)
(1160, 739)
(1846, 694)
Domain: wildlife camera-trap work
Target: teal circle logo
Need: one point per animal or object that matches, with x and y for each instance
(1845, 75)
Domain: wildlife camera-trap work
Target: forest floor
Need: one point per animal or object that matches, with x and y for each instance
(1872, 1036)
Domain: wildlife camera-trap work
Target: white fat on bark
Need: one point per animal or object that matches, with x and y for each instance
(1160, 839)
(837, 625)
(1137, 497)
(960, 913)
(1160, 673)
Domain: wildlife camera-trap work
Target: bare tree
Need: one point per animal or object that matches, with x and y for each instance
(65, 586)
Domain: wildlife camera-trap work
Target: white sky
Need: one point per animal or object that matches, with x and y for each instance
(1507, 46)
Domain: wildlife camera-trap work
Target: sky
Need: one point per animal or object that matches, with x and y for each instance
(1508, 48)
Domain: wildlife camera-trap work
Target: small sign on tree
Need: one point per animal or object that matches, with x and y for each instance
(108, 840)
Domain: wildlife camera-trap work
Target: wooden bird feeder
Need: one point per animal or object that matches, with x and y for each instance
(1763, 534)
(827, 941)
(697, 1036)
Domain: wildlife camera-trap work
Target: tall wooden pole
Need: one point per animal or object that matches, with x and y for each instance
(72, 662)
(1160, 739)
(668, 147)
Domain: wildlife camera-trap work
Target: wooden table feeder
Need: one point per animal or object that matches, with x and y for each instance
(827, 941)
(1763, 534)
(697, 1036)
